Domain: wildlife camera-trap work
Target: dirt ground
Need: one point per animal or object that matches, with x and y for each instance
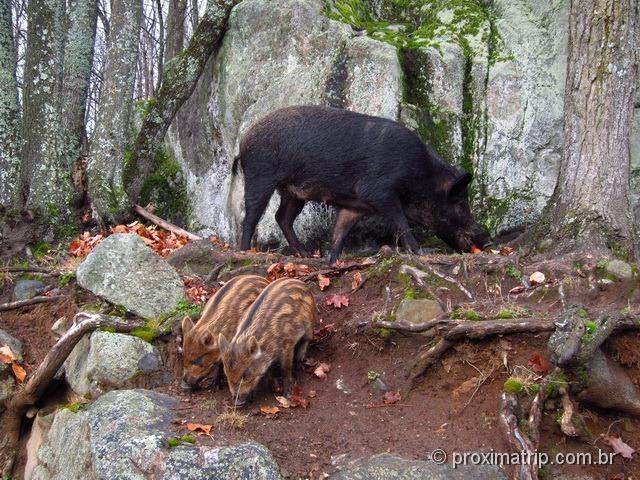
(454, 407)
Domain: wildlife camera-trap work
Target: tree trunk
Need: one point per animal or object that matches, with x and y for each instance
(10, 138)
(78, 60)
(45, 185)
(180, 78)
(114, 116)
(175, 29)
(590, 206)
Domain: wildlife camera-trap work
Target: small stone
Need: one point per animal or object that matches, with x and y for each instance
(537, 278)
(13, 343)
(418, 310)
(379, 385)
(26, 289)
(619, 269)
(342, 386)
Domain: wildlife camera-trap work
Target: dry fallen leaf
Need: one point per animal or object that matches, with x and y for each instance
(283, 401)
(475, 249)
(619, 446)
(537, 278)
(389, 398)
(540, 364)
(19, 372)
(322, 370)
(323, 281)
(337, 300)
(506, 251)
(296, 398)
(202, 428)
(517, 289)
(465, 387)
(270, 412)
(356, 280)
(312, 393)
(6, 355)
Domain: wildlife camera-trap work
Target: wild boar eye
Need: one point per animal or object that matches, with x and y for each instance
(198, 361)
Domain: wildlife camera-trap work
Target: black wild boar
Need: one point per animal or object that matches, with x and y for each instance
(276, 331)
(200, 352)
(359, 163)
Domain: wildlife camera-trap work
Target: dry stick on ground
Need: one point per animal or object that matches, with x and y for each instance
(419, 274)
(30, 301)
(44, 271)
(26, 397)
(164, 224)
(336, 270)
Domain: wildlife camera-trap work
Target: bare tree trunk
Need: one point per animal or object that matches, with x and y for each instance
(78, 60)
(45, 185)
(161, 43)
(114, 116)
(10, 135)
(180, 78)
(590, 206)
(175, 28)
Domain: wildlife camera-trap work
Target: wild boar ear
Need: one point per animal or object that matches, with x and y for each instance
(460, 184)
(187, 324)
(208, 340)
(223, 344)
(254, 347)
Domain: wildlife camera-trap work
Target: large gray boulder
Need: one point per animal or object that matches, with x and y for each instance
(389, 467)
(525, 103)
(105, 361)
(274, 54)
(124, 271)
(123, 435)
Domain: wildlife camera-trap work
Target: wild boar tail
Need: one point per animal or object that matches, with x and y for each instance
(234, 166)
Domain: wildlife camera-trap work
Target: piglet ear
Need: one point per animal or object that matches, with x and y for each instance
(254, 347)
(187, 325)
(223, 344)
(208, 340)
(460, 184)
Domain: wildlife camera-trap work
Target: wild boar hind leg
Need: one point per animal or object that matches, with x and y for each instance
(344, 223)
(256, 200)
(290, 208)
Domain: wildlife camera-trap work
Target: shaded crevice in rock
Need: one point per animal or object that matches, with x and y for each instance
(337, 84)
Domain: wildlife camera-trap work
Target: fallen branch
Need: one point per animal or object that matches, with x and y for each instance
(419, 275)
(518, 442)
(44, 271)
(17, 406)
(30, 301)
(403, 326)
(164, 224)
(337, 270)
(535, 411)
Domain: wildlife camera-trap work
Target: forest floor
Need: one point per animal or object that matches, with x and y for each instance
(453, 407)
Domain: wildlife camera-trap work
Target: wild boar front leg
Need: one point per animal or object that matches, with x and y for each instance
(290, 208)
(393, 211)
(286, 367)
(344, 223)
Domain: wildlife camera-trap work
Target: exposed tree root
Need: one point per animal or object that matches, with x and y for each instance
(518, 442)
(41, 270)
(418, 274)
(16, 407)
(31, 301)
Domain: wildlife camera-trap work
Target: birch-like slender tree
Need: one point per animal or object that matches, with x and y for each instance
(10, 135)
(113, 125)
(590, 206)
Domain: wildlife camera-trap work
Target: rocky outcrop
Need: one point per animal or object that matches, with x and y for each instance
(274, 54)
(105, 361)
(7, 381)
(389, 467)
(124, 435)
(124, 271)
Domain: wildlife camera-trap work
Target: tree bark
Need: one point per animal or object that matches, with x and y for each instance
(78, 60)
(590, 205)
(104, 169)
(10, 135)
(45, 185)
(175, 28)
(180, 78)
